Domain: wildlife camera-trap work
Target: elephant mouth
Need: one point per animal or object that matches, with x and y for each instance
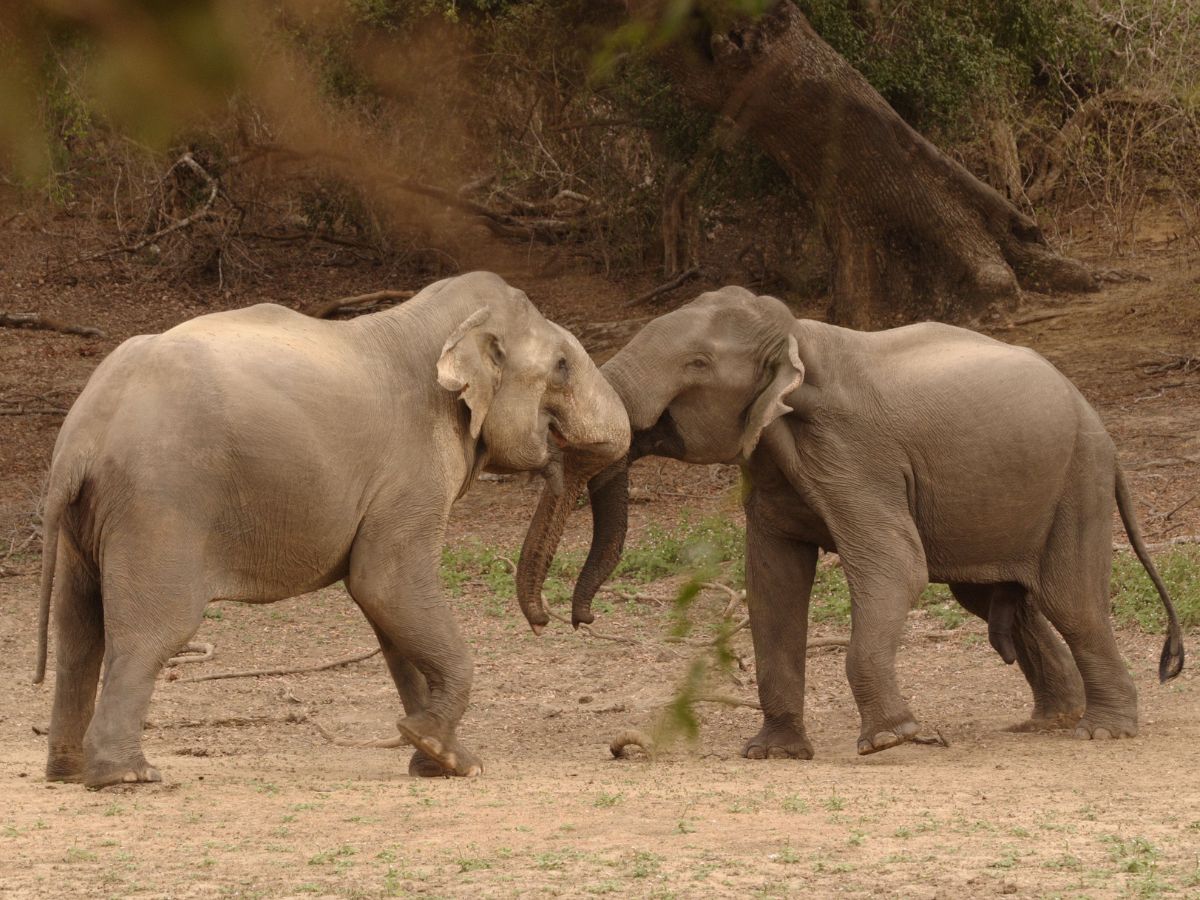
(556, 435)
(660, 439)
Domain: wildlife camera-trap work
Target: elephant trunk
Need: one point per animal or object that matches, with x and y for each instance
(609, 494)
(541, 540)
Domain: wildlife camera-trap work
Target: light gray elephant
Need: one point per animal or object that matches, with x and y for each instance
(924, 453)
(259, 454)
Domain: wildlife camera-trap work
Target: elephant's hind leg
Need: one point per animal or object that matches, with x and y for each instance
(1074, 595)
(147, 620)
(79, 627)
(1044, 659)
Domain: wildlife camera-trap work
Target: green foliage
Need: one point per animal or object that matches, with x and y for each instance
(688, 546)
(1136, 602)
(938, 62)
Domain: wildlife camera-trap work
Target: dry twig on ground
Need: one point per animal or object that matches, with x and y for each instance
(283, 670)
(39, 322)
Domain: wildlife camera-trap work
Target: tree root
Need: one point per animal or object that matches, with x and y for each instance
(285, 670)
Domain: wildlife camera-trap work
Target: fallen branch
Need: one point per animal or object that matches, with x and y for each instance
(735, 597)
(724, 700)
(200, 213)
(384, 743)
(664, 288)
(327, 308)
(193, 653)
(286, 670)
(1036, 317)
(592, 632)
(45, 323)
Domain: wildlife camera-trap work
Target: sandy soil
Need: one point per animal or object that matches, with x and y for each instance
(256, 803)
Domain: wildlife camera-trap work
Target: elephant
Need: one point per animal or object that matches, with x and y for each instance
(259, 454)
(924, 453)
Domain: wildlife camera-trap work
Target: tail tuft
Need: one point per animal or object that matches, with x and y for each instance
(1171, 662)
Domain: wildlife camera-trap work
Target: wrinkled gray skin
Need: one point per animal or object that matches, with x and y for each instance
(924, 453)
(259, 454)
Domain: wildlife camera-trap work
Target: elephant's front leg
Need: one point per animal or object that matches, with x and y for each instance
(394, 579)
(885, 578)
(779, 579)
(414, 694)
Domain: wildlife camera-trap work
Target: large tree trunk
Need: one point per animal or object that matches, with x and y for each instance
(912, 233)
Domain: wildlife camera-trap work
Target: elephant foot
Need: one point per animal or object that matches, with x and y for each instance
(424, 766)
(65, 765)
(1098, 730)
(443, 750)
(102, 776)
(874, 738)
(778, 742)
(1042, 723)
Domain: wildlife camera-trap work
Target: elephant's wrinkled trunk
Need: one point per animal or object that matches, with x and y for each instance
(541, 541)
(609, 493)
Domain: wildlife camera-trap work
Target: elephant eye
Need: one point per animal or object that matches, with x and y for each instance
(562, 368)
(699, 364)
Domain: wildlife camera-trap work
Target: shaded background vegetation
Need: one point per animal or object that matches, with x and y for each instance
(399, 128)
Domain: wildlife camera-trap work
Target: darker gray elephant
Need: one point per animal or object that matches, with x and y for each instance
(924, 453)
(259, 454)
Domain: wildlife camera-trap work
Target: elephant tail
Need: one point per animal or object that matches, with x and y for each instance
(60, 493)
(1171, 662)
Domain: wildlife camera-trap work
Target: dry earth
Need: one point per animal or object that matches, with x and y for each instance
(257, 803)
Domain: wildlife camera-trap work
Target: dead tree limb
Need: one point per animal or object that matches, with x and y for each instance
(663, 288)
(384, 743)
(200, 213)
(45, 323)
(327, 308)
(284, 670)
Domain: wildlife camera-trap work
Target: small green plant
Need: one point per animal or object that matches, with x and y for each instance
(78, 854)
(214, 613)
(787, 855)
(795, 803)
(834, 803)
(325, 857)
(608, 800)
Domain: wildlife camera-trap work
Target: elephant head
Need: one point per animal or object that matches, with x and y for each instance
(534, 398)
(700, 384)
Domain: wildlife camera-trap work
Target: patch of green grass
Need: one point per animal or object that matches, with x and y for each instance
(332, 855)
(1135, 855)
(687, 546)
(606, 800)
(833, 803)
(937, 600)
(830, 596)
(795, 803)
(1136, 602)
(644, 864)
(78, 854)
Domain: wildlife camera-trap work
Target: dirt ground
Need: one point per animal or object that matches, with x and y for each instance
(257, 803)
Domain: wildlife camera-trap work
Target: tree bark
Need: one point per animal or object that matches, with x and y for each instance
(912, 233)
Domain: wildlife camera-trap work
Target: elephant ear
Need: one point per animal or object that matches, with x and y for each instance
(769, 405)
(471, 364)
